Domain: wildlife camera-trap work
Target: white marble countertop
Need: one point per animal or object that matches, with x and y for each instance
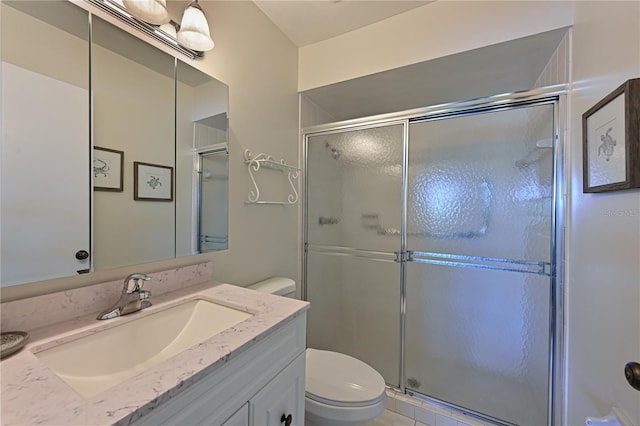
(33, 394)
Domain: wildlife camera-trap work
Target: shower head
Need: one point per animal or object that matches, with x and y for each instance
(335, 154)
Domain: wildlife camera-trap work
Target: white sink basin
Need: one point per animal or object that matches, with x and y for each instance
(94, 363)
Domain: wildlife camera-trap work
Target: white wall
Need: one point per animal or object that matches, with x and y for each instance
(603, 286)
(432, 31)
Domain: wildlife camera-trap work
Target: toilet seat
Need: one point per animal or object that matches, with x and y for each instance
(339, 380)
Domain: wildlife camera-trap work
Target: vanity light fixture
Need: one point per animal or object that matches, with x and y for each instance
(169, 29)
(162, 32)
(194, 29)
(151, 11)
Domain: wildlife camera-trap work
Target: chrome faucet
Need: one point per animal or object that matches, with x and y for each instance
(132, 299)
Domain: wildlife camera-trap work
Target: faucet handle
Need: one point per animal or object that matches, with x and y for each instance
(137, 286)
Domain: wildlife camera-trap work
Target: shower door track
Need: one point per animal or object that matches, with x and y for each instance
(554, 95)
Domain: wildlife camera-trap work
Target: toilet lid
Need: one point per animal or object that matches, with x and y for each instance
(338, 379)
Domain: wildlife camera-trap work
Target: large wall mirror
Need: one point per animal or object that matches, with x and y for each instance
(114, 153)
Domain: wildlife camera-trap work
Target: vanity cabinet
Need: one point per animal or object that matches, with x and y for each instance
(261, 386)
(239, 418)
(281, 402)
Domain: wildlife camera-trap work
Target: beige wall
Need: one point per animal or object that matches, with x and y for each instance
(133, 113)
(62, 56)
(259, 64)
(603, 242)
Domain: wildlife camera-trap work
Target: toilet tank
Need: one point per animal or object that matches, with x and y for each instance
(280, 286)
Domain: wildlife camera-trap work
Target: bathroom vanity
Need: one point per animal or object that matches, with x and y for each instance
(250, 373)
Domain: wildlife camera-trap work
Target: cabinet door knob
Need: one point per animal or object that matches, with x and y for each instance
(632, 373)
(82, 255)
(286, 419)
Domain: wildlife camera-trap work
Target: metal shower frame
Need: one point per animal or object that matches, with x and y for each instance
(552, 95)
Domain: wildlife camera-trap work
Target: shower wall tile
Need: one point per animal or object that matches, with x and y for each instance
(311, 114)
(442, 420)
(391, 401)
(405, 407)
(557, 69)
(425, 416)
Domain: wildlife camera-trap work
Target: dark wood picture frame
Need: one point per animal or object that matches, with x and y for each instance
(104, 177)
(152, 182)
(611, 141)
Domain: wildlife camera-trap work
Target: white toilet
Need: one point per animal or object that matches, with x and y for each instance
(339, 389)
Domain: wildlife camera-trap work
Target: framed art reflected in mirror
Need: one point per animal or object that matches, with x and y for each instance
(108, 169)
(152, 182)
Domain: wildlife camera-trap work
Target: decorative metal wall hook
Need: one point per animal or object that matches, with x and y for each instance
(262, 160)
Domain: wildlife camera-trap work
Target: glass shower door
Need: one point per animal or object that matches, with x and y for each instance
(213, 192)
(354, 214)
(479, 227)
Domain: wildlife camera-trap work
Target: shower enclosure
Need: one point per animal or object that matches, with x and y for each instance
(430, 251)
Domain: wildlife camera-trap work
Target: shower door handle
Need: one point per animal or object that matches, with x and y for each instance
(403, 256)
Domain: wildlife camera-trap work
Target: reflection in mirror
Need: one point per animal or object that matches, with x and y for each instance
(61, 215)
(202, 131)
(212, 201)
(133, 101)
(45, 141)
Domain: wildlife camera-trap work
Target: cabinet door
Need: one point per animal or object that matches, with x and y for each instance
(239, 418)
(280, 398)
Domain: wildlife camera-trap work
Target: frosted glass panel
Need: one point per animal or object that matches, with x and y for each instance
(355, 181)
(479, 339)
(480, 196)
(482, 185)
(355, 309)
(479, 207)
